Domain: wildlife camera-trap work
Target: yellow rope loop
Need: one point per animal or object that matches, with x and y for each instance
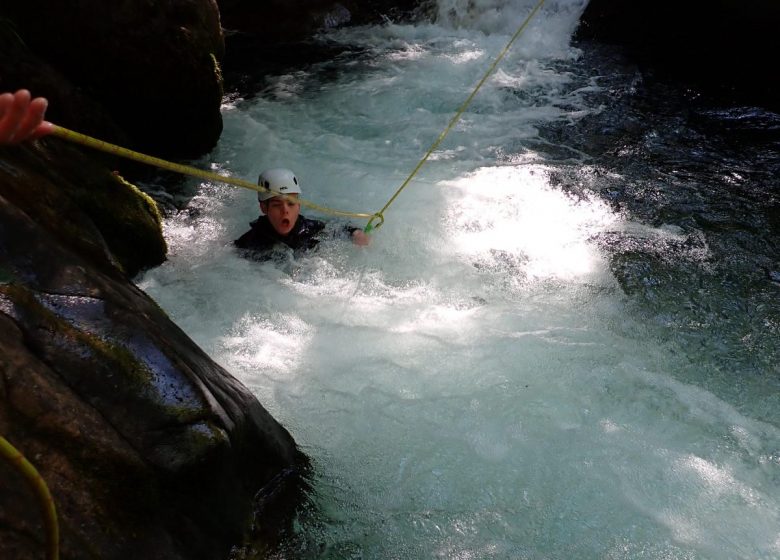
(101, 145)
(370, 225)
(463, 107)
(35, 480)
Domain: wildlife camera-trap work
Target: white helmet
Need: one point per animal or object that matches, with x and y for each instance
(281, 181)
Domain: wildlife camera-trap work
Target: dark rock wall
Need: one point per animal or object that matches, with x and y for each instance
(83, 206)
(149, 448)
(727, 47)
(289, 21)
(152, 65)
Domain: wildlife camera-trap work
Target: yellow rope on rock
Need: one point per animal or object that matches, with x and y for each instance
(455, 119)
(35, 480)
(107, 147)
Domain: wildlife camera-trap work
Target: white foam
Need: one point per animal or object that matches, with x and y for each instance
(471, 385)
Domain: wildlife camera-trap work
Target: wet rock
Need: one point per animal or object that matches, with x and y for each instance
(280, 21)
(685, 42)
(150, 449)
(152, 65)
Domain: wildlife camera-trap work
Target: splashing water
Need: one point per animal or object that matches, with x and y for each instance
(477, 383)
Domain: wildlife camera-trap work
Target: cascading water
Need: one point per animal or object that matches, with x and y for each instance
(518, 366)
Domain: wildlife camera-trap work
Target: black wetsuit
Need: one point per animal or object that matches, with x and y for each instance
(259, 241)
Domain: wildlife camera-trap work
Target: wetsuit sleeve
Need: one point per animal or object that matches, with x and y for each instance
(258, 238)
(244, 242)
(347, 231)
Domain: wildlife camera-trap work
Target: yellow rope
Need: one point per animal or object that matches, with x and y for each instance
(15, 458)
(380, 215)
(103, 146)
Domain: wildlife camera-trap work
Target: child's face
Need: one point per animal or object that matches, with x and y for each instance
(282, 213)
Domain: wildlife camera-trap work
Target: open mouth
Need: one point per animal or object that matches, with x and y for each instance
(285, 222)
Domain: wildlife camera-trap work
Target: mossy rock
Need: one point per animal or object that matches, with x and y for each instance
(150, 449)
(83, 204)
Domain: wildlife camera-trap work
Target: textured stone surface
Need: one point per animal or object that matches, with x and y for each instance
(726, 47)
(149, 64)
(150, 449)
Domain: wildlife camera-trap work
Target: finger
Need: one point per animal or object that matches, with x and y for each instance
(13, 115)
(360, 238)
(43, 129)
(6, 126)
(32, 119)
(5, 103)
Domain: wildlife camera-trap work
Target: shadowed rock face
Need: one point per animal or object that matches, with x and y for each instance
(267, 37)
(151, 64)
(290, 21)
(727, 47)
(150, 449)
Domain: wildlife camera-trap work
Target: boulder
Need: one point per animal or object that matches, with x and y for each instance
(152, 65)
(723, 47)
(150, 449)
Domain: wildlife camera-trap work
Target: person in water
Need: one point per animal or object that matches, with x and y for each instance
(21, 117)
(282, 222)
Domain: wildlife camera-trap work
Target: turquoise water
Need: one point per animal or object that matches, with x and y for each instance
(483, 381)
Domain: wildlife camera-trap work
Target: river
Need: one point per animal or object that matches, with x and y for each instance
(563, 343)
